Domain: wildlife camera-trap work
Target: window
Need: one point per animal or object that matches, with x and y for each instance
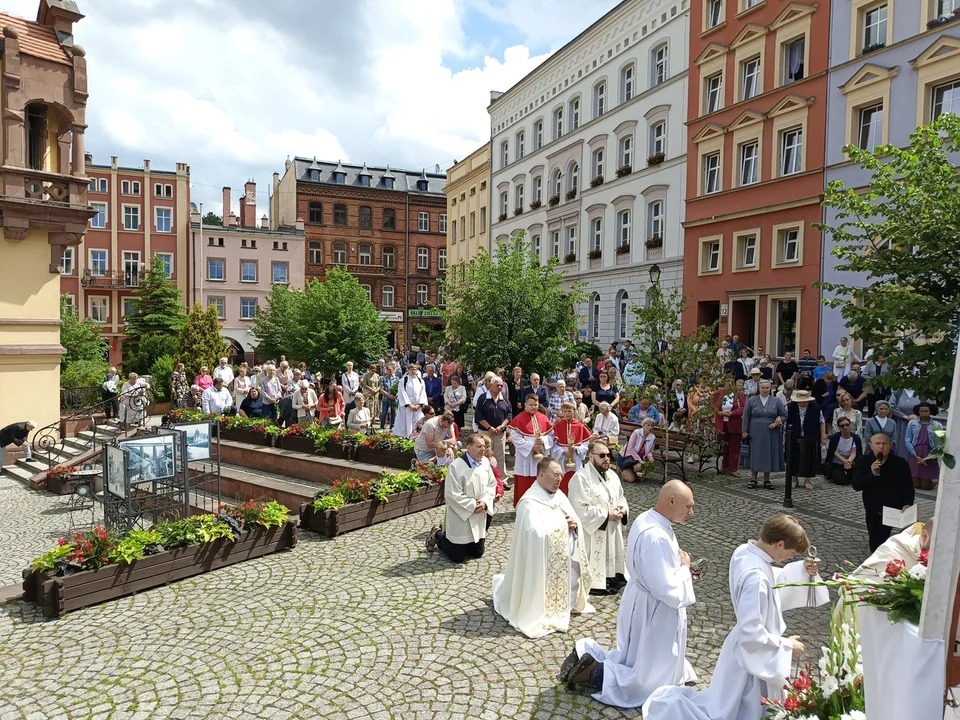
(504, 154)
(422, 296)
(747, 251)
(339, 178)
(538, 135)
(789, 245)
(131, 268)
(473, 226)
(785, 325)
(711, 173)
(104, 185)
(423, 258)
(558, 123)
(750, 74)
(714, 13)
(386, 296)
(555, 243)
(875, 27)
(248, 308)
(99, 308)
(599, 99)
(791, 151)
(623, 228)
(596, 163)
(622, 313)
(626, 83)
(571, 240)
(655, 219)
(100, 219)
(369, 291)
(365, 180)
(626, 151)
(483, 219)
(710, 260)
(423, 222)
(248, 271)
(339, 254)
(557, 182)
(535, 245)
(659, 65)
(871, 125)
(593, 321)
(388, 261)
(216, 269)
(945, 99)
(573, 178)
(463, 228)
(749, 163)
(443, 223)
(37, 135)
(658, 138)
(714, 93)
(453, 237)
(315, 252)
(70, 303)
(575, 113)
(316, 212)
(280, 273)
(220, 303)
(98, 263)
(503, 203)
(128, 187)
(339, 214)
(67, 261)
(162, 190)
(793, 60)
(520, 150)
(389, 219)
(388, 183)
(537, 189)
(365, 254)
(945, 7)
(365, 217)
(518, 199)
(442, 259)
(131, 217)
(164, 219)
(596, 234)
(441, 295)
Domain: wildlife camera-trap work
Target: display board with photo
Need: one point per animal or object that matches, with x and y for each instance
(198, 440)
(115, 470)
(149, 458)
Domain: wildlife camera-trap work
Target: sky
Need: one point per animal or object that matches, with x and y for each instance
(234, 87)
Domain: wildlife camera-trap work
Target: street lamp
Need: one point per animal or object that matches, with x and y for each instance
(655, 274)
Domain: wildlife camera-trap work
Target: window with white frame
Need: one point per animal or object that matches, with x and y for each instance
(599, 99)
(711, 173)
(538, 189)
(473, 226)
(597, 163)
(369, 291)
(220, 303)
(125, 187)
(749, 163)
(624, 226)
(68, 263)
(593, 322)
(315, 252)
(714, 13)
(945, 99)
(557, 182)
(248, 271)
(98, 263)
(248, 308)
(518, 196)
(875, 26)
(280, 273)
(98, 308)
(946, 7)
(453, 236)
(538, 135)
(520, 148)
(711, 258)
(443, 223)
(131, 217)
(442, 259)
(573, 178)
(750, 78)
(386, 296)
(504, 153)
(163, 219)
(441, 294)
(622, 314)
(555, 243)
(793, 60)
(463, 228)
(422, 296)
(104, 185)
(423, 222)
(789, 245)
(791, 151)
(627, 80)
(747, 251)
(423, 258)
(100, 219)
(575, 113)
(366, 254)
(558, 123)
(660, 68)
(167, 259)
(713, 96)
(658, 138)
(871, 127)
(535, 245)
(596, 233)
(572, 240)
(339, 253)
(388, 257)
(625, 151)
(655, 219)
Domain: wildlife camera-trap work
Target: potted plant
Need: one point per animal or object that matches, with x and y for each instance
(656, 158)
(871, 48)
(570, 257)
(502, 217)
(536, 205)
(555, 200)
(654, 242)
(299, 438)
(571, 194)
(624, 170)
(623, 249)
(594, 254)
(598, 180)
(383, 448)
(517, 211)
(58, 479)
(246, 430)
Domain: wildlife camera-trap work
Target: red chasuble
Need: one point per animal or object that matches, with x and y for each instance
(525, 472)
(564, 433)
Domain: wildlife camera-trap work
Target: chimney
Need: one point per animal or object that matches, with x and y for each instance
(231, 221)
(264, 222)
(248, 205)
(226, 205)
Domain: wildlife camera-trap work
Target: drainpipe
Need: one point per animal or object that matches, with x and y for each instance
(406, 272)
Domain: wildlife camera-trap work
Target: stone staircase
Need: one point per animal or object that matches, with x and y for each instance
(70, 451)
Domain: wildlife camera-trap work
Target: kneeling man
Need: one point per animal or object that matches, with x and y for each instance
(468, 491)
(547, 575)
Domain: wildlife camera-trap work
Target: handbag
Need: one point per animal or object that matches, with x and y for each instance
(744, 463)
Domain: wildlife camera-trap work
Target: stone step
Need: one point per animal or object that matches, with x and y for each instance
(34, 466)
(77, 444)
(18, 473)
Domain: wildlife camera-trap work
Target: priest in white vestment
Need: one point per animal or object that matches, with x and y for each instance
(547, 575)
(756, 659)
(531, 434)
(598, 500)
(652, 619)
(411, 397)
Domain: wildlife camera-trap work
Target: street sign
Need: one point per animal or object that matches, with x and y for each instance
(424, 313)
(391, 316)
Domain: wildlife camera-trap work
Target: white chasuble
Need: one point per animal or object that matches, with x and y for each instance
(410, 391)
(651, 621)
(593, 496)
(547, 576)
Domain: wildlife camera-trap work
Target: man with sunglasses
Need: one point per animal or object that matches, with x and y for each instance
(597, 498)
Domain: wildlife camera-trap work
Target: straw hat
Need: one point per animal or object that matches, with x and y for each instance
(800, 396)
(755, 371)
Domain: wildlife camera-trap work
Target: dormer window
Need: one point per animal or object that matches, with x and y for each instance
(422, 185)
(365, 180)
(315, 175)
(388, 183)
(339, 178)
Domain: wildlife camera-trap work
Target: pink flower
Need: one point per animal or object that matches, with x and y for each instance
(894, 568)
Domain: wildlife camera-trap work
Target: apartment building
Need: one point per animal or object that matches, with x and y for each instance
(589, 159)
(468, 206)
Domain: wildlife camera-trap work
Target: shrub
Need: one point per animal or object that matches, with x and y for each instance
(84, 373)
(160, 371)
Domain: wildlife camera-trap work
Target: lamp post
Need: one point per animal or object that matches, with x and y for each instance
(655, 297)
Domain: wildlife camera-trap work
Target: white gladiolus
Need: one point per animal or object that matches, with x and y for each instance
(854, 715)
(828, 686)
(918, 572)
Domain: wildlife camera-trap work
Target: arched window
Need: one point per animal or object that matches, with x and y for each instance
(623, 313)
(593, 324)
(573, 177)
(557, 182)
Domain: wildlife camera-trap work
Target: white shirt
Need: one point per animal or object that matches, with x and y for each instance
(608, 426)
(224, 372)
(214, 402)
(727, 406)
(351, 383)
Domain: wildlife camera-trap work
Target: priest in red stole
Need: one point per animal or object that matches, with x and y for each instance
(532, 436)
(570, 440)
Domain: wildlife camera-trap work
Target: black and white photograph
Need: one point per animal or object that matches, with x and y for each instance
(198, 440)
(115, 470)
(149, 458)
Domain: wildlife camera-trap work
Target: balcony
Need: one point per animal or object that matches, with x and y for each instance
(118, 280)
(364, 269)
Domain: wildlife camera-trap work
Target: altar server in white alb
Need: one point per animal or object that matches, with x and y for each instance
(598, 500)
(652, 619)
(411, 397)
(756, 659)
(547, 576)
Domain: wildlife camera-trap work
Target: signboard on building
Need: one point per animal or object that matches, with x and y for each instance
(391, 316)
(424, 313)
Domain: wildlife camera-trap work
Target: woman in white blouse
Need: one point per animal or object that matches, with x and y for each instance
(305, 403)
(359, 419)
(241, 386)
(843, 357)
(847, 410)
(606, 424)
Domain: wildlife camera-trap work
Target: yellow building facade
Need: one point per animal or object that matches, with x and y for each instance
(468, 198)
(43, 204)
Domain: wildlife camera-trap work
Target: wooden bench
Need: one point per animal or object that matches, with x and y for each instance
(680, 445)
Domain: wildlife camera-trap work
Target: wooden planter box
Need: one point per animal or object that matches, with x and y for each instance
(61, 485)
(388, 458)
(359, 515)
(58, 595)
(298, 444)
(246, 436)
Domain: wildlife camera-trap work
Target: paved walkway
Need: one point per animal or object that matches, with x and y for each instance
(363, 626)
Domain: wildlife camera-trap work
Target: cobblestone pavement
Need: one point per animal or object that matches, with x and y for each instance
(367, 625)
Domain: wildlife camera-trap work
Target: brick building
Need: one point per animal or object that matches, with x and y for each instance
(387, 227)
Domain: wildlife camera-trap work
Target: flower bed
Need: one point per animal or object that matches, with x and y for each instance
(92, 567)
(387, 450)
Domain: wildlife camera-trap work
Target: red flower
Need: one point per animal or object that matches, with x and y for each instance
(924, 557)
(802, 682)
(894, 568)
(791, 704)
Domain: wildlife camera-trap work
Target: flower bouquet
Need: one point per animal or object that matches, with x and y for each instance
(433, 474)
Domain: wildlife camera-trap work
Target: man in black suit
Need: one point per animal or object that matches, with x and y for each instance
(16, 434)
(286, 415)
(884, 479)
(535, 388)
(588, 375)
(676, 399)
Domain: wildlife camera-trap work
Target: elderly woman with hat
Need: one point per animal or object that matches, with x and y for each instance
(805, 420)
(921, 439)
(752, 384)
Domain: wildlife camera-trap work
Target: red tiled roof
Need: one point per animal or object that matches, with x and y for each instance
(36, 40)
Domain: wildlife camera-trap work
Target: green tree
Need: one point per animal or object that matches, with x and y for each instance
(152, 332)
(211, 219)
(900, 240)
(200, 342)
(507, 309)
(82, 339)
(324, 325)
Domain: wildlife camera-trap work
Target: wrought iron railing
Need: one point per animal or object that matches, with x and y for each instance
(112, 279)
(78, 398)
